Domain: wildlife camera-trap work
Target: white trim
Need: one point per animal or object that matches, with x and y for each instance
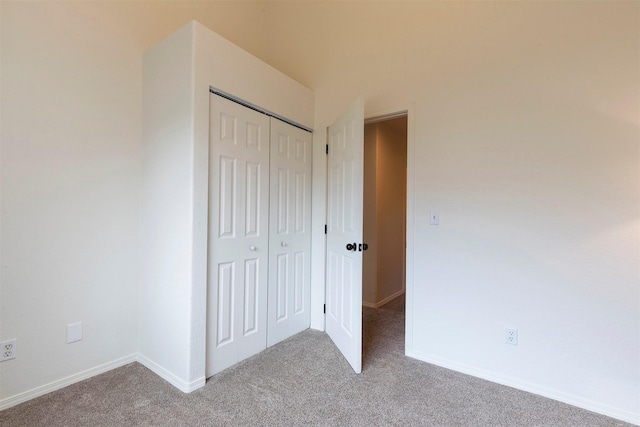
(318, 326)
(64, 382)
(410, 113)
(385, 116)
(384, 301)
(170, 377)
(580, 402)
(409, 225)
(257, 108)
(186, 387)
(318, 222)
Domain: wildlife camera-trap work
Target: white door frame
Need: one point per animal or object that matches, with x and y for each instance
(319, 203)
(378, 119)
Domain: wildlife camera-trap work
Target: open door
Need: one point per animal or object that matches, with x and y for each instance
(344, 233)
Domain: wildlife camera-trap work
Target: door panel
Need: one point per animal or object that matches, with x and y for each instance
(344, 226)
(299, 274)
(253, 199)
(225, 305)
(227, 184)
(282, 285)
(300, 203)
(238, 235)
(290, 234)
(251, 294)
(283, 202)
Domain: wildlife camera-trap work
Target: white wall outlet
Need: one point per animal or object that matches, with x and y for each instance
(511, 336)
(74, 332)
(8, 350)
(434, 217)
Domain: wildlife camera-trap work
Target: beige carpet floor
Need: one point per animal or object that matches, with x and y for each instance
(305, 381)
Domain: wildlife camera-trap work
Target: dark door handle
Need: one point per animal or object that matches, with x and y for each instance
(351, 246)
(363, 247)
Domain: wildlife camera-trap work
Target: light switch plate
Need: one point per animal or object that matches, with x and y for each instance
(434, 217)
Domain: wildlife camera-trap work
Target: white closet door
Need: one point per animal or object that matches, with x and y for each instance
(344, 233)
(238, 234)
(289, 232)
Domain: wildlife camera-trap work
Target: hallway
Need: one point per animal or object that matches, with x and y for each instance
(383, 331)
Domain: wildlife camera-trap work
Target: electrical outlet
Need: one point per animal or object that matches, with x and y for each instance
(8, 350)
(511, 336)
(74, 332)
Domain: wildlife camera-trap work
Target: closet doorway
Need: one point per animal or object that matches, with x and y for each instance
(259, 243)
(384, 229)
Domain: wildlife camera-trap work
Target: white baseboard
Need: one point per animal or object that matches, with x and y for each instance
(620, 414)
(179, 383)
(64, 382)
(318, 326)
(186, 387)
(384, 301)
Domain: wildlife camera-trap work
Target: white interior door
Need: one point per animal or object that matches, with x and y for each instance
(289, 232)
(344, 227)
(238, 234)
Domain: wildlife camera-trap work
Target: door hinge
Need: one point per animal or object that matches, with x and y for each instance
(327, 149)
(325, 229)
(324, 308)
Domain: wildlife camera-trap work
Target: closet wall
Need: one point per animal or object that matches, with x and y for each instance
(177, 75)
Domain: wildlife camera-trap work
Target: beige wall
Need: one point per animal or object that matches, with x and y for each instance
(70, 129)
(384, 210)
(391, 187)
(523, 129)
(70, 142)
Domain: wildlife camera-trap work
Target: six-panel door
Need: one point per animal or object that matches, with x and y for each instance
(238, 234)
(344, 227)
(289, 232)
(259, 233)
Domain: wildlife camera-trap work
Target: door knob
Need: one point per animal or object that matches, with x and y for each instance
(363, 247)
(351, 247)
(252, 248)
